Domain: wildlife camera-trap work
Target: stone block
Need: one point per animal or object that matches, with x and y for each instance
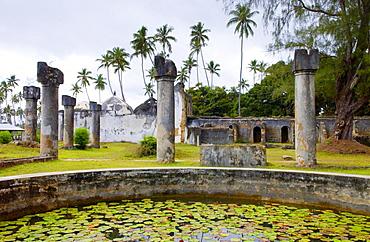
(31, 92)
(304, 61)
(233, 155)
(68, 100)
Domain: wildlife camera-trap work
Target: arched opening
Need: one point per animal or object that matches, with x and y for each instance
(256, 134)
(284, 134)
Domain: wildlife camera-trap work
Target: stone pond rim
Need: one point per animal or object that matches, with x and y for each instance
(33, 193)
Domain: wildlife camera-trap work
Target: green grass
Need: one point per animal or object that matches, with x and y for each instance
(122, 155)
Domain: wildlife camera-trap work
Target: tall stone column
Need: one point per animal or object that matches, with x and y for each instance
(50, 78)
(304, 68)
(95, 132)
(69, 104)
(31, 94)
(165, 74)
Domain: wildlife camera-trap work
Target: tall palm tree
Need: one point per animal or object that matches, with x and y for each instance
(198, 40)
(182, 75)
(106, 62)
(143, 46)
(100, 84)
(189, 64)
(262, 68)
(242, 18)
(253, 66)
(84, 78)
(162, 36)
(244, 84)
(76, 89)
(149, 89)
(213, 69)
(120, 63)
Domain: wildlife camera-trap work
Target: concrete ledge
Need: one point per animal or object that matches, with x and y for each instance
(5, 163)
(27, 194)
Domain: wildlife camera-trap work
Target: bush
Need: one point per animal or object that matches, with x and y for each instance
(5, 137)
(148, 146)
(81, 138)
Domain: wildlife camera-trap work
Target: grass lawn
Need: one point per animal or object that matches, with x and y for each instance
(117, 155)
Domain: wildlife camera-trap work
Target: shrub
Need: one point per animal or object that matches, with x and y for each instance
(148, 146)
(5, 137)
(81, 138)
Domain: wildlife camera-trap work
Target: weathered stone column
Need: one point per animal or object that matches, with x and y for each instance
(50, 78)
(31, 94)
(95, 132)
(165, 74)
(68, 125)
(304, 68)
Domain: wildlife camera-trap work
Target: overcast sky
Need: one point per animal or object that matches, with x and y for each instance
(72, 34)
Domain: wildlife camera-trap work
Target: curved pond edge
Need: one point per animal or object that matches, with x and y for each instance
(33, 193)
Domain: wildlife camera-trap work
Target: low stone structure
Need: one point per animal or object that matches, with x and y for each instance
(32, 193)
(233, 155)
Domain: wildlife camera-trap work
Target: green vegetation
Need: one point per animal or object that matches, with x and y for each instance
(189, 220)
(148, 146)
(5, 137)
(81, 138)
(125, 155)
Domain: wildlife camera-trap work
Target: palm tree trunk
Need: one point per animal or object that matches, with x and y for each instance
(88, 98)
(120, 84)
(142, 69)
(110, 86)
(241, 73)
(198, 67)
(204, 66)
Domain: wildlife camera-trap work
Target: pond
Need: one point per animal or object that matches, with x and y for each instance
(188, 220)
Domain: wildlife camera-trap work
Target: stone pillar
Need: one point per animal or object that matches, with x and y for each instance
(95, 131)
(304, 68)
(263, 133)
(50, 78)
(31, 94)
(165, 74)
(68, 124)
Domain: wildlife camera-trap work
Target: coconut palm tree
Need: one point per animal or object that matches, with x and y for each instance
(244, 84)
(106, 62)
(163, 38)
(189, 64)
(76, 89)
(213, 68)
(262, 68)
(253, 66)
(149, 89)
(143, 46)
(182, 75)
(120, 63)
(100, 84)
(198, 40)
(242, 15)
(84, 78)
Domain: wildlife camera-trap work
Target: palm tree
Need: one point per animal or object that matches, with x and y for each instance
(76, 89)
(253, 66)
(241, 17)
(120, 63)
(143, 46)
(244, 84)
(100, 84)
(162, 37)
(182, 75)
(149, 89)
(106, 61)
(84, 78)
(198, 40)
(189, 64)
(213, 68)
(16, 98)
(262, 68)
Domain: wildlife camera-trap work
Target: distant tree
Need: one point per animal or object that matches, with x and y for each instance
(149, 90)
(100, 84)
(120, 64)
(262, 68)
(144, 47)
(84, 79)
(182, 75)
(106, 62)
(189, 64)
(244, 84)
(163, 38)
(76, 89)
(198, 41)
(213, 69)
(242, 15)
(253, 66)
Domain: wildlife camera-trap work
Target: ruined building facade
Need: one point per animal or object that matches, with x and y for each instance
(120, 123)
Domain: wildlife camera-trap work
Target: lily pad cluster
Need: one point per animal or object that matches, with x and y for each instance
(172, 220)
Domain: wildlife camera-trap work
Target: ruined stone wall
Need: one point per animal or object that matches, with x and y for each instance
(28, 194)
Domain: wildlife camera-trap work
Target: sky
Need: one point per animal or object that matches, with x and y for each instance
(71, 35)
